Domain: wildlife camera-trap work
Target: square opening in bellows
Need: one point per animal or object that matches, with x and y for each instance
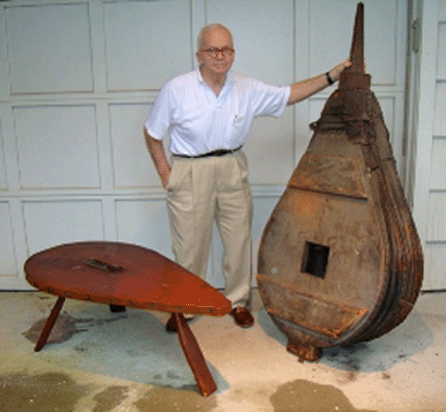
(315, 259)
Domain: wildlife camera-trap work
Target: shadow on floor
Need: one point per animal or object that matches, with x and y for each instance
(409, 338)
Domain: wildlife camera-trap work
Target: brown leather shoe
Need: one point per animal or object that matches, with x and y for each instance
(171, 325)
(242, 317)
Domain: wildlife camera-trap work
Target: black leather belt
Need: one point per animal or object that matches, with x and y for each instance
(219, 152)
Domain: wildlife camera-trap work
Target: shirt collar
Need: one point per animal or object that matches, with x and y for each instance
(229, 81)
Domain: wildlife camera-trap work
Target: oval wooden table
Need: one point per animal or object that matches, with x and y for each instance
(123, 274)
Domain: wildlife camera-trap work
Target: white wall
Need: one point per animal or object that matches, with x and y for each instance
(430, 177)
(77, 79)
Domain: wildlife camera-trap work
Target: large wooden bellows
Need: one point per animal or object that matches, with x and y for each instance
(340, 260)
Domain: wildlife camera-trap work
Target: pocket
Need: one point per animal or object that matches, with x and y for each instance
(171, 183)
(179, 173)
(242, 163)
(237, 128)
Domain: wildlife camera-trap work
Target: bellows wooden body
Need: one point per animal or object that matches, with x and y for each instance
(340, 260)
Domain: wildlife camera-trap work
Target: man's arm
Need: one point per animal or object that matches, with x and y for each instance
(302, 90)
(156, 150)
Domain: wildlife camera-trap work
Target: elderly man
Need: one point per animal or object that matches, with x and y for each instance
(209, 113)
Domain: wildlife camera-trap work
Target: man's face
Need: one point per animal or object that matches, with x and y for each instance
(218, 64)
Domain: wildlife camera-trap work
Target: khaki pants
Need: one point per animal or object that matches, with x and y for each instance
(205, 190)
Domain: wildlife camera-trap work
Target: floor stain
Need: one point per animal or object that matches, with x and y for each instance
(63, 329)
(45, 392)
(110, 398)
(305, 396)
(172, 400)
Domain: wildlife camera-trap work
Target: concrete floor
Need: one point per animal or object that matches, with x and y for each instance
(126, 362)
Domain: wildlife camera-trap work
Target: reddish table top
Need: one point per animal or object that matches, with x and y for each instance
(123, 274)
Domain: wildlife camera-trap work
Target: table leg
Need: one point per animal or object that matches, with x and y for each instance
(195, 357)
(49, 324)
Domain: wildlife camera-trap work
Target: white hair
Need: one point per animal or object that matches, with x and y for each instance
(209, 27)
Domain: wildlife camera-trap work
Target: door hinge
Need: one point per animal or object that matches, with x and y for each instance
(416, 33)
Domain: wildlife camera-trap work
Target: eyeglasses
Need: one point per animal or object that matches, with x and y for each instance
(214, 51)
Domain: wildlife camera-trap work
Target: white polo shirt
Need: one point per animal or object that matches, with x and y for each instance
(201, 122)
